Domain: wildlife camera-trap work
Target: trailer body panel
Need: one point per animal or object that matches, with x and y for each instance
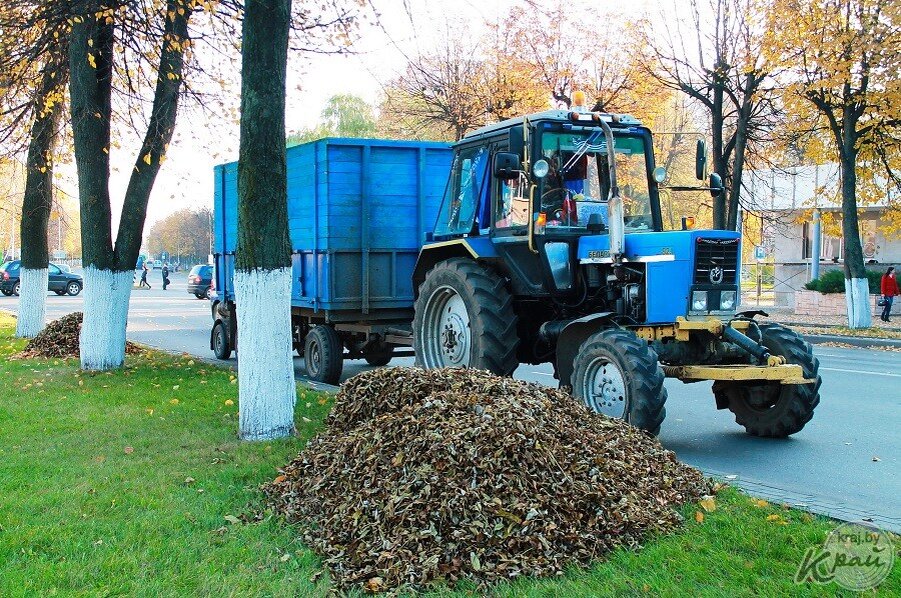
(358, 212)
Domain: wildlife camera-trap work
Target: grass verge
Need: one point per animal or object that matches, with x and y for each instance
(134, 483)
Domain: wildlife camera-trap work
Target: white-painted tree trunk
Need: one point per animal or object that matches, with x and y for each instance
(266, 387)
(106, 296)
(32, 302)
(857, 298)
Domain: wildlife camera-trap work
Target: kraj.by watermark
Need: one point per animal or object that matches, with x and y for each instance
(856, 556)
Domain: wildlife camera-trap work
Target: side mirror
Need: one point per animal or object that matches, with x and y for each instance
(700, 159)
(517, 141)
(506, 165)
(716, 185)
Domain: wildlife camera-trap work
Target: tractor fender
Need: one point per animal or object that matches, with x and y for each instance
(476, 248)
(571, 338)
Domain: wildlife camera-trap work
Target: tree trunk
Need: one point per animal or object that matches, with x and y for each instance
(719, 160)
(741, 141)
(266, 387)
(38, 201)
(857, 289)
(108, 269)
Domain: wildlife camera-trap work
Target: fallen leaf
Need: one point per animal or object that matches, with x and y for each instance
(773, 517)
(173, 402)
(761, 503)
(229, 402)
(699, 517)
(375, 584)
(129, 450)
(708, 503)
(285, 557)
(232, 519)
(279, 479)
(189, 480)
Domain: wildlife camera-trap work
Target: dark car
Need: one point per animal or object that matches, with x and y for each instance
(200, 281)
(58, 280)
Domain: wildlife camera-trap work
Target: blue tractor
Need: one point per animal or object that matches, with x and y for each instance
(550, 247)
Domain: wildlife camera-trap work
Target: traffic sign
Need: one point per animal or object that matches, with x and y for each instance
(759, 253)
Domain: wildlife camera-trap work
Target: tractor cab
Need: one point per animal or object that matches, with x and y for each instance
(559, 201)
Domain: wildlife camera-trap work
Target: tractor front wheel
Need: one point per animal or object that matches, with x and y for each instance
(463, 318)
(616, 373)
(772, 409)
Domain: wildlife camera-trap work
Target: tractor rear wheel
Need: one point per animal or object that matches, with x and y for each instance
(772, 409)
(616, 374)
(464, 317)
(324, 355)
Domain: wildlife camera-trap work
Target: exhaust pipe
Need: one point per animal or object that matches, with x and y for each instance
(615, 214)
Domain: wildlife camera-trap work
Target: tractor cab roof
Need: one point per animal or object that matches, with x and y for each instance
(568, 116)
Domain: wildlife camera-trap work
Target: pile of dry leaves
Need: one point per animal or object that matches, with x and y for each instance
(60, 339)
(446, 474)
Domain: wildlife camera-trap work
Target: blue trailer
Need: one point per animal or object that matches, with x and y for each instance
(537, 239)
(358, 214)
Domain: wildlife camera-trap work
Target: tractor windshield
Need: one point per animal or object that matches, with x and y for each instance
(578, 182)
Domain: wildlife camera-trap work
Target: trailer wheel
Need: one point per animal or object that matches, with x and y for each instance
(616, 373)
(324, 355)
(772, 409)
(378, 355)
(464, 317)
(221, 347)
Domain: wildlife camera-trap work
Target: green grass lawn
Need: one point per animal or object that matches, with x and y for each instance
(133, 483)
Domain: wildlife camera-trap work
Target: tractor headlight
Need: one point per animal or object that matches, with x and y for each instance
(727, 300)
(699, 301)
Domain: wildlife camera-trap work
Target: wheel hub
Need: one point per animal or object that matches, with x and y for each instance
(448, 336)
(314, 357)
(605, 388)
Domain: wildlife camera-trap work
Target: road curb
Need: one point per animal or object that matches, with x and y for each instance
(857, 341)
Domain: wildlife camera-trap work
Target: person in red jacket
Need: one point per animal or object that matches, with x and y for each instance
(889, 289)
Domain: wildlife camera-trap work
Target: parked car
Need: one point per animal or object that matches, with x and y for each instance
(200, 281)
(59, 281)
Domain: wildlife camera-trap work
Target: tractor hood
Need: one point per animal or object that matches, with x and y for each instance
(650, 246)
(677, 263)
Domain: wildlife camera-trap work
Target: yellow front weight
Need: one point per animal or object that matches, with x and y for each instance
(785, 373)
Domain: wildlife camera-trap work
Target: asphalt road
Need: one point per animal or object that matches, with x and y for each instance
(845, 463)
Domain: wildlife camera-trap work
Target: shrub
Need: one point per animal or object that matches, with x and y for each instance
(833, 281)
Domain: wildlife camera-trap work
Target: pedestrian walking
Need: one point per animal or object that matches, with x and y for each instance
(144, 282)
(165, 276)
(889, 290)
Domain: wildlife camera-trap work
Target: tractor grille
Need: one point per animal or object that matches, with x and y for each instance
(716, 253)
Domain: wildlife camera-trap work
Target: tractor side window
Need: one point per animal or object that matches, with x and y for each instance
(511, 206)
(461, 200)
